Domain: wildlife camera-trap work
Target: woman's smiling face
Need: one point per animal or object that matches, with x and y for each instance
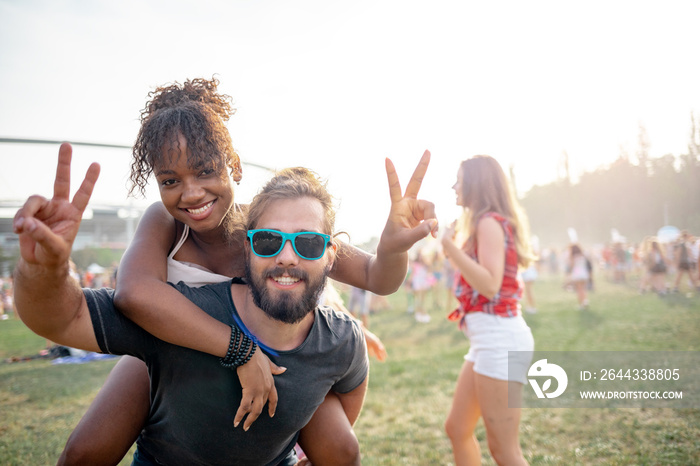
(197, 196)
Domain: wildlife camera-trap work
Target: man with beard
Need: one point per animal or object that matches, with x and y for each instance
(289, 252)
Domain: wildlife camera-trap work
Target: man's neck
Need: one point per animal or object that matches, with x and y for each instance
(271, 332)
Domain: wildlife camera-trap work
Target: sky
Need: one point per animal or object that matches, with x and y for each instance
(340, 86)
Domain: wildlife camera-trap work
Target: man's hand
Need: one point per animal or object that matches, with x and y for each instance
(47, 228)
(47, 299)
(410, 219)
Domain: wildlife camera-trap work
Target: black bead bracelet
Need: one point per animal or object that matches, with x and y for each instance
(240, 349)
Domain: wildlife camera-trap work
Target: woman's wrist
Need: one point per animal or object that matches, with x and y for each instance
(240, 349)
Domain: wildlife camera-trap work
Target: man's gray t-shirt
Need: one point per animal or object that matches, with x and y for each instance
(194, 399)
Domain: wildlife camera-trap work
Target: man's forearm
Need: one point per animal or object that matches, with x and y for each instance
(47, 299)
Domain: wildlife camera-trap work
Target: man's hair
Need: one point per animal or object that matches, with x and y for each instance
(293, 183)
(197, 111)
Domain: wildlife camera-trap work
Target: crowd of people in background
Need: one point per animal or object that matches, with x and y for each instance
(91, 277)
(662, 267)
(95, 276)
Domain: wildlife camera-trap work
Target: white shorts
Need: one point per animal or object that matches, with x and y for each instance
(529, 274)
(491, 338)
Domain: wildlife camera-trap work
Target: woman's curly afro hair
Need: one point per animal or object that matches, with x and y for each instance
(197, 111)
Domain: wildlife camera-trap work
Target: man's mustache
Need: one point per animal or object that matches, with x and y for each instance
(292, 272)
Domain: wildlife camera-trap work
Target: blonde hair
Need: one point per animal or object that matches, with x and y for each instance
(485, 188)
(293, 183)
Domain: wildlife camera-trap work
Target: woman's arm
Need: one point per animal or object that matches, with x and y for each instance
(485, 276)
(353, 400)
(145, 297)
(410, 220)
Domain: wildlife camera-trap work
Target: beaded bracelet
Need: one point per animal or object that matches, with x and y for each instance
(240, 349)
(232, 346)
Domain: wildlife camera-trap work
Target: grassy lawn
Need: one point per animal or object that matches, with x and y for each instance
(411, 392)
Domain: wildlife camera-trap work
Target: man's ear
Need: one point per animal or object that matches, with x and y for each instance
(333, 251)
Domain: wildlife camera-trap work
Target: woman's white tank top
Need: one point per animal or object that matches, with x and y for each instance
(192, 274)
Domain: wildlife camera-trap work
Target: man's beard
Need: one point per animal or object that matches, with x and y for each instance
(284, 307)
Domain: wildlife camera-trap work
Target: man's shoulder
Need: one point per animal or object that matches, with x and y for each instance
(98, 296)
(344, 340)
(334, 315)
(339, 322)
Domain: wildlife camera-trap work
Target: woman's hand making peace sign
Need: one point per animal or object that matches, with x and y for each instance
(410, 219)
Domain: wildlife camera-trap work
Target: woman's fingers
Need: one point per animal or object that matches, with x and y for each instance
(417, 178)
(414, 183)
(393, 179)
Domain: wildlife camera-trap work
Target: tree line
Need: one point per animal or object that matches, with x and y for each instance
(634, 195)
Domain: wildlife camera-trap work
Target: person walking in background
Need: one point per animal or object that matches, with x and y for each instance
(443, 279)
(620, 263)
(645, 274)
(579, 275)
(422, 281)
(684, 261)
(408, 289)
(529, 276)
(488, 290)
(358, 305)
(552, 259)
(656, 265)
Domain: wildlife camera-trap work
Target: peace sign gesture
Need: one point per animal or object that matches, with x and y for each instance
(410, 219)
(48, 227)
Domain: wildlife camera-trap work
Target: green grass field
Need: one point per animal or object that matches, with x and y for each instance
(410, 393)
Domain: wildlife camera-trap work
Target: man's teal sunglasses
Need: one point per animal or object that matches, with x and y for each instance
(308, 245)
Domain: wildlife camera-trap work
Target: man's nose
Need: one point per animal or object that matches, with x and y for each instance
(287, 255)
